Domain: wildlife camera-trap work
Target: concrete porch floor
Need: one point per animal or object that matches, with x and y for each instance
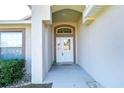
(70, 76)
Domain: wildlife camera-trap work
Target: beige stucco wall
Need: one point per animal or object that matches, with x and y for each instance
(101, 47)
(27, 41)
(47, 49)
(41, 14)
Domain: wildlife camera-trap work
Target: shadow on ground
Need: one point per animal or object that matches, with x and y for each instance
(49, 85)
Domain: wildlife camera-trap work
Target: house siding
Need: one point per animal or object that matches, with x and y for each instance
(101, 47)
(41, 15)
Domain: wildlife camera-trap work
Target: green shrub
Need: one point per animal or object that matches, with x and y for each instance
(11, 71)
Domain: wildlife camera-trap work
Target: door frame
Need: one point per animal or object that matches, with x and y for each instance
(65, 35)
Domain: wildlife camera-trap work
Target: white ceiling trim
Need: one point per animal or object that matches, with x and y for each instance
(15, 22)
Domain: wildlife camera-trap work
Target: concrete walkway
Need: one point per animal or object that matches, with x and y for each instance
(69, 76)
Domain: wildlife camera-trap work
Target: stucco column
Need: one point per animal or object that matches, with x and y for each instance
(39, 13)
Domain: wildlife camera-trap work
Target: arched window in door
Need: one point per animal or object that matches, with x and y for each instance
(64, 30)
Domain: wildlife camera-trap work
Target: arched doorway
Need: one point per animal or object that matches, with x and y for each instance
(64, 38)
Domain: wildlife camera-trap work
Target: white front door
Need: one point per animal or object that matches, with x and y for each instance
(64, 50)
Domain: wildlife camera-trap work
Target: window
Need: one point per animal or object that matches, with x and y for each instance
(65, 30)
(11, 45)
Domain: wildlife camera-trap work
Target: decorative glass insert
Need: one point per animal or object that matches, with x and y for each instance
(11, 45)
(67, 45)
(64, 30)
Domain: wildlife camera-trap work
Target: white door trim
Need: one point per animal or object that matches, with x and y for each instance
(65, 35)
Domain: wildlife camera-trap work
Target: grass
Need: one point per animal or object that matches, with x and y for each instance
(37, 86)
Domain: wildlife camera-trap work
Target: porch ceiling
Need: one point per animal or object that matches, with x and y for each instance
(78, 8)
(66, 15)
